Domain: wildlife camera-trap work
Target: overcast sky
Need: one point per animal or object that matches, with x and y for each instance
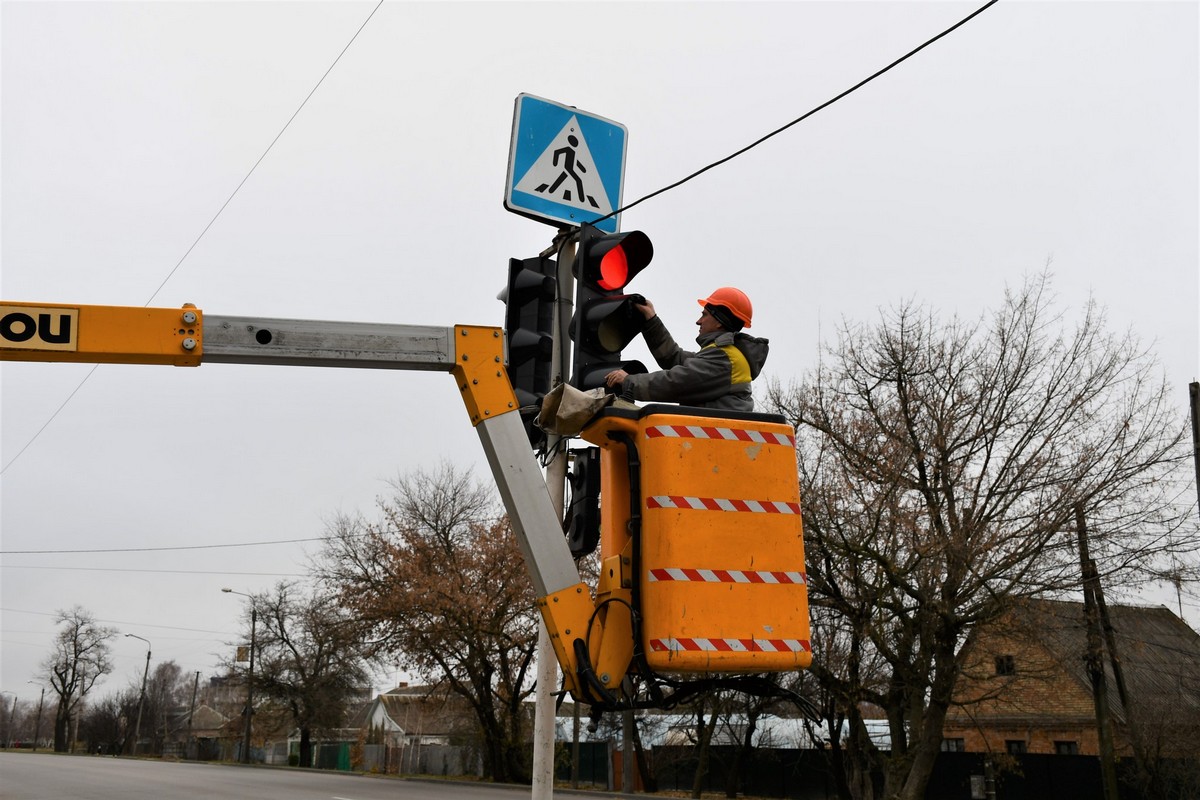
(1062, 133)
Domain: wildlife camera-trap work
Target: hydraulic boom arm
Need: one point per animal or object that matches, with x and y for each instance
(473, 355)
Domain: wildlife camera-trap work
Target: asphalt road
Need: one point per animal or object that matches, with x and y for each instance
(45, 776)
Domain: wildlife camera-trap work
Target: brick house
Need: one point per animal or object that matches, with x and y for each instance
(1024, 685)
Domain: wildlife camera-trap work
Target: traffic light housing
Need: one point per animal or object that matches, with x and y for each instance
(582, 524)
(529, 328)
(605, 318)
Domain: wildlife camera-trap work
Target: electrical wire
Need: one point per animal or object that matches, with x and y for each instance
(674, 185)
(803, 117)
(115, 621)
(164, 549)
(46, 424)
(179, 263)
(160, 571)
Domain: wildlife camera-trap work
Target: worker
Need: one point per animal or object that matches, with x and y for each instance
(718, 375)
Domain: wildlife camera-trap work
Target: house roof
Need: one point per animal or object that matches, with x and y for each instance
(421, 710)
(357, 714)
(1159, 654)
(207, 719)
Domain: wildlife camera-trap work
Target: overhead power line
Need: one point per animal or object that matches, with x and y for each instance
(805, 116)
(163, 549)
(674, 185)
(116, 621)
(161, 571)
(188, 252)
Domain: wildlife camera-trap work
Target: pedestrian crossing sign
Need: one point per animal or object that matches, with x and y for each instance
(565, 166)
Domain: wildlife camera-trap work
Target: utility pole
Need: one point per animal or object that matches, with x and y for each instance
(1114, 658)
(192, 710)
(37, 726)
(1194, 396)
(12, 718)
(1095, 662)
(249, 677)
(137, 729)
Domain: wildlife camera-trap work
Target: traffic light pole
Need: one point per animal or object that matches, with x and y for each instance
(556, 477)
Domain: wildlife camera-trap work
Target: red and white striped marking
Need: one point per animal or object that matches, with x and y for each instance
(725, 576)
(722, 504)
(674, 645)
(728, 434)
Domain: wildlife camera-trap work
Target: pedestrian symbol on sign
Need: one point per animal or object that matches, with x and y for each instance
(570, 164)
(562, 173)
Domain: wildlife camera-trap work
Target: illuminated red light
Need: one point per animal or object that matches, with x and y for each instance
(614, 269)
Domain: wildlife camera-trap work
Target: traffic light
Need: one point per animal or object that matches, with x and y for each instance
(605, 319)
(582, 524)
(529, 326)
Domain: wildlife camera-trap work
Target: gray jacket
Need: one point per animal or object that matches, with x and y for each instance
(718, 375)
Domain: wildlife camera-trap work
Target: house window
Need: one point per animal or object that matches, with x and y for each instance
(1006, 665)
(954, 746)
(1015, 747)
(1066, 748)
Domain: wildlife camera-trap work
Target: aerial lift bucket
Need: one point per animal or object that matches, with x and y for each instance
(705, 508)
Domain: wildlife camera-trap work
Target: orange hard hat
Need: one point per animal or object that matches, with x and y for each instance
(734, 299)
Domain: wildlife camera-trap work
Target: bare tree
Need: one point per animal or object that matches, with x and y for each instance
(940, 465)
(844, 666)
(308, 658)
(80, 657)
(106, 725)
(441, 581)
(168, 694)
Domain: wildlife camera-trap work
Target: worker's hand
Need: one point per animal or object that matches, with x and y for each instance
(647, 309)
(615, 378)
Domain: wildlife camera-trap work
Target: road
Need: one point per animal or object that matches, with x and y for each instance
(45, 776)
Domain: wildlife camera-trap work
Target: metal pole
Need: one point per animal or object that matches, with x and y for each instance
(575, 746)
(137, 729)
(245, 759)
(250, 685)
(37, 727)
(556, 477)
(627, 755)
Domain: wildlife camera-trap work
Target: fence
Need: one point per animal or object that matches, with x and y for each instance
(595, 764)
(806, 775)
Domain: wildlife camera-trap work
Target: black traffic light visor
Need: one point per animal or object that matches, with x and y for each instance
(610, 262)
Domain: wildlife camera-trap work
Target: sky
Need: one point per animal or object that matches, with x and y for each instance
(1040, 133)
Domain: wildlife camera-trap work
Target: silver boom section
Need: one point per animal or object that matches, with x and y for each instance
(254, 340)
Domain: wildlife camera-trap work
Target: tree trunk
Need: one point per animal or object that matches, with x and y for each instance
(62, 729)
(704, 731)
(306, 747)
(742, 754)
(518, 766)
(834, 756)
(864, 773)
(927, 743)
(643, 764)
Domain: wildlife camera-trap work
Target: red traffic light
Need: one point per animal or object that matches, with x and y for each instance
(609, 262)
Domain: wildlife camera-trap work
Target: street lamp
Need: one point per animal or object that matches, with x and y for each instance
(37, 726)
(249, 676)
(137, 729)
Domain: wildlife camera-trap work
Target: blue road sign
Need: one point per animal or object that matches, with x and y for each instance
(565, 166)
